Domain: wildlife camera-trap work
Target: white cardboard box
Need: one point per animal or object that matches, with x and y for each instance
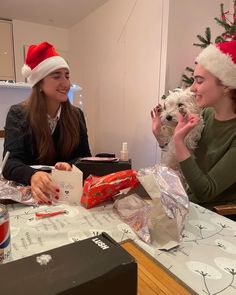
(70, 183)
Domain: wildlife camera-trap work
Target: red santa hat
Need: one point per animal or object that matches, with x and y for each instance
(220, 60)
(40, 61)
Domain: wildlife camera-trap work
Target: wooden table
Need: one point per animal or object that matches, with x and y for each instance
(152, 278)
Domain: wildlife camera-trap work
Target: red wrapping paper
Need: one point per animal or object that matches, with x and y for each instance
(99, 189)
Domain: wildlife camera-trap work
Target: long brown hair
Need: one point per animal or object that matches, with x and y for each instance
(69, 127)
(232, 93)
(233, 97)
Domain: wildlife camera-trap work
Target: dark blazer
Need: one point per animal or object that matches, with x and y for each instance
(20, 142)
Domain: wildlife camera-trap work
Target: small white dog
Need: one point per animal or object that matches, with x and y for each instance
(182, 101)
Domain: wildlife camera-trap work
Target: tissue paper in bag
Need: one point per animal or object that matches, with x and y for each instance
(160, 220)
(170, 204)
(134, 211)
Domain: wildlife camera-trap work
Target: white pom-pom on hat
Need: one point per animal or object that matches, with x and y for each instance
(26, 71)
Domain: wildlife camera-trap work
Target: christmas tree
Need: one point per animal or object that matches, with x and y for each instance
(228, 22)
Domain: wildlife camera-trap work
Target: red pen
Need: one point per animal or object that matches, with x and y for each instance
(49, 214)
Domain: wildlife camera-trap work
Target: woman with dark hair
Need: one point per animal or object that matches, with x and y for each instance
(44, 129)
(210, 174)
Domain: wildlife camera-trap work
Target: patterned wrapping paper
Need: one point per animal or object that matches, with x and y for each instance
(10, 190)
(99, 189)
(135, 211)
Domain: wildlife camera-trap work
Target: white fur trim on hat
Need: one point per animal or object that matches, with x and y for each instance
(43, 69)
(26, 71)
(219, 64)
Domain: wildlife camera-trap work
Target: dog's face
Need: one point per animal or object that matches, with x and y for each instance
(178, 101)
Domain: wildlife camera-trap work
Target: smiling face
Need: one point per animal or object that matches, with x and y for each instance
(208, 90)
(56, 86)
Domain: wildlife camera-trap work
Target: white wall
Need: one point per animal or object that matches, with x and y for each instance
(187, 19)
(115, 55)
(26, 33)
(8, 97)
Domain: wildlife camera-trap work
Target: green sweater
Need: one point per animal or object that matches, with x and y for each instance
(211, 176)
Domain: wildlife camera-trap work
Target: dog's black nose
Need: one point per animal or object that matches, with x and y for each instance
(168, 117)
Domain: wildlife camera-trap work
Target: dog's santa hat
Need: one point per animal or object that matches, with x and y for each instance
(220, 60)
(41, 60)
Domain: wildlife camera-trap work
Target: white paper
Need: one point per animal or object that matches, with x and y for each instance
(70, 183)
(150, 185)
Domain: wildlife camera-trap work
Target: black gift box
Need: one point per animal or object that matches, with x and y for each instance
(96, 265)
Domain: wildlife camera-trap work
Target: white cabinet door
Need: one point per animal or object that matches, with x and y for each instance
(7, 70)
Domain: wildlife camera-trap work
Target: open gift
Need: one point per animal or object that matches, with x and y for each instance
(160, 220)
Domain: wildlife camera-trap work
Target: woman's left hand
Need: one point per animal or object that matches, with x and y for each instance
(185, 125)
(63, 166)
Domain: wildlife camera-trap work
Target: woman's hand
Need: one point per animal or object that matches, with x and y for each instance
(63, 166)
(43, 188)
(156, 120)
(185, 125)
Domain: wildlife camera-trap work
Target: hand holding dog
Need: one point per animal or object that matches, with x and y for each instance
(185, 125)
(187, 134)
(156, 120)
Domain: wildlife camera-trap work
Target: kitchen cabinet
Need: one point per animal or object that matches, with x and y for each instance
(7, 67)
